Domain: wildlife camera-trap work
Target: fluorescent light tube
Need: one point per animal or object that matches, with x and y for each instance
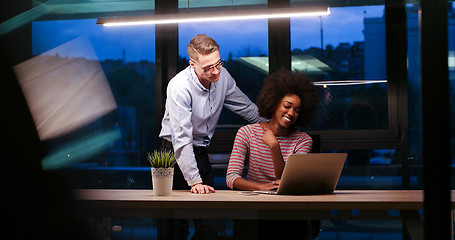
(214, 16)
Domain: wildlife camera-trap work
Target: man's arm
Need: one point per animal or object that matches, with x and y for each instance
(239, 103)
(179, 106)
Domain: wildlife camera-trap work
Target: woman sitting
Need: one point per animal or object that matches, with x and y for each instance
(288, 99)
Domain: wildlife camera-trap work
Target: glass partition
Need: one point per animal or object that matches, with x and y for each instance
(346, 58)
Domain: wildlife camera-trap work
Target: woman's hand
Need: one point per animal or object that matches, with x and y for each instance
(201, 188)
(269, 138)
(271, 185)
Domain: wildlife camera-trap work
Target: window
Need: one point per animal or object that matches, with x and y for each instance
(347, 61)
(355, 102)
(371, 169)
(127, 59)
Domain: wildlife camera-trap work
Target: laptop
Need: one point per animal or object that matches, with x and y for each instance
(312, 173)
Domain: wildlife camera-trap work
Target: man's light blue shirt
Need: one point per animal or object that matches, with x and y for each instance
(192, 113)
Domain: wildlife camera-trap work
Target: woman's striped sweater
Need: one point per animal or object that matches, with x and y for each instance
(248, 145)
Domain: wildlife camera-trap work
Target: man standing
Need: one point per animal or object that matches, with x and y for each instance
(195, 98)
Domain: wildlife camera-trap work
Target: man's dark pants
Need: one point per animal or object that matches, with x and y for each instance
(178, 228)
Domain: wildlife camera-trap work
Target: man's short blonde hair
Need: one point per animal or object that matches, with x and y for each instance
(201, 44)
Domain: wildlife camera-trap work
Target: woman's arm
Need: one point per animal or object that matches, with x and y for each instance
(243, 184)
(278, 162)
(238, 156)
(239, 153)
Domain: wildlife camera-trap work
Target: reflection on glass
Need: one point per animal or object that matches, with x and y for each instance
(304, 63)
(64, 93)
(218, 3)
(126, 57)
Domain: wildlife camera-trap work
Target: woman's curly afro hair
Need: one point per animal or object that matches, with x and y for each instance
(282, 83)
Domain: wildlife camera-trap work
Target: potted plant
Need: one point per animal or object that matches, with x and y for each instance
(162, 163)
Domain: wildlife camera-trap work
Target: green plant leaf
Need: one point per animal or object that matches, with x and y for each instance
(161, 159)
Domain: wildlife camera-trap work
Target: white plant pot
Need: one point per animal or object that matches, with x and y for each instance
(162, 181)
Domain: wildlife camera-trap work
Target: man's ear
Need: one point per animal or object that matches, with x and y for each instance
(191, 62)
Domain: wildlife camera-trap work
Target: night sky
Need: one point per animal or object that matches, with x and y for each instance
(236, 37)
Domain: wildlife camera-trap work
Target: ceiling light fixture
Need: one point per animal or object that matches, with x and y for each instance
(232, 15)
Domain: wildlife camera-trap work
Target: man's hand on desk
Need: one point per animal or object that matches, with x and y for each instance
(201, 188)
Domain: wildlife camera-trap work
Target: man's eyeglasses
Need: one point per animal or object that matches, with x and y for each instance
(217, 65)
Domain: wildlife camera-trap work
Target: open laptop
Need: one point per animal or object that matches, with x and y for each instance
(312, 173)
